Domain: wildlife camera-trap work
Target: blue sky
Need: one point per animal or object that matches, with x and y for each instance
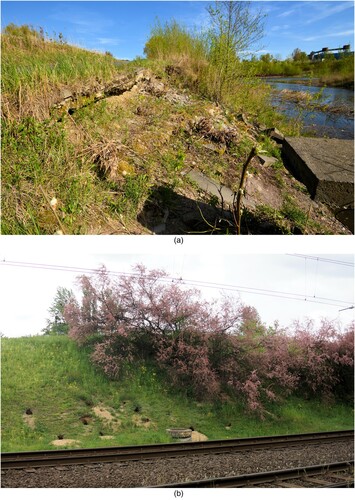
(123, 27)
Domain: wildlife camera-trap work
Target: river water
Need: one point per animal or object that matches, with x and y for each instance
(318, 123)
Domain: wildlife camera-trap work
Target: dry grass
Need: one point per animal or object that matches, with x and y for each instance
(35, 71)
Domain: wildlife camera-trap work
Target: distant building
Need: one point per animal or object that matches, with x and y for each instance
(338, 53)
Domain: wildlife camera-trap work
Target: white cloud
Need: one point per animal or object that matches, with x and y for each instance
(328, 35)
(108, 41)
(324, 11)
(286, 13)
(279, 27)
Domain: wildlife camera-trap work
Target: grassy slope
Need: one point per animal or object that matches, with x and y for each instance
(115, 166)
(53, 378)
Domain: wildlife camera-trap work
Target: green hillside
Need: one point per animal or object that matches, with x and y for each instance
(64, 395)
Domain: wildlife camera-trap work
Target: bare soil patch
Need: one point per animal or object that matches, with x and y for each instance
(29, 421)
(103, 413)
(198, 436)
(65, 442)
(107, 418)
(143, 422)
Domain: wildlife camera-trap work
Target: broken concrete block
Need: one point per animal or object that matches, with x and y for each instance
(267, 161)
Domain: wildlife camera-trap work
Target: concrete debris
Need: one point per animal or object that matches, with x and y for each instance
(267, 161)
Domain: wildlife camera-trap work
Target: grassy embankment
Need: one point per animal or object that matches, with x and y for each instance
(108, 166)
(46, 158)
(53, 378)
(40, 160)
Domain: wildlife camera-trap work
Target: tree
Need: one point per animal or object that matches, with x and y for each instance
(266, 58)
(209, 348)
(299, 56)
(56, 324)
(235, 29)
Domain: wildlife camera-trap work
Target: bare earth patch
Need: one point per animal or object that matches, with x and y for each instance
(197, 436)
(142, 422)
(107, 418)
(65, 442)
(29, 420)
(103, 413)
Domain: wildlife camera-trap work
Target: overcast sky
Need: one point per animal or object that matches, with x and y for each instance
(27, 293)
(123, 28)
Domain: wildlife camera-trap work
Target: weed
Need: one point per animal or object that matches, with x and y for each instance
(291, 211)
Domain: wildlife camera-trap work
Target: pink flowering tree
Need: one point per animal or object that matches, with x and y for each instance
(208, 347)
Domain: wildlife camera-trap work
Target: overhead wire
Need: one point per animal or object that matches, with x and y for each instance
(323, 259)
(187, 282)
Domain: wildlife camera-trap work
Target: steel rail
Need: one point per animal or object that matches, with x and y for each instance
(124, 453)
(278, 476)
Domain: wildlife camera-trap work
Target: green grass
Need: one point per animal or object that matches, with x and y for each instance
(35, 68)
(55, 379)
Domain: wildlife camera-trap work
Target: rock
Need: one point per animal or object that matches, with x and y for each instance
(66, 94)
(326, 167)
(143, 75)
(274, 133)
(212, 187)
(267, 161)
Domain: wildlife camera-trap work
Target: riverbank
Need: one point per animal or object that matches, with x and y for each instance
(336, 81)
(319, 111)
(111, 154)
(306, 100)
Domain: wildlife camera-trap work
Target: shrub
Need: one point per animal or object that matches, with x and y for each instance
(209, 348)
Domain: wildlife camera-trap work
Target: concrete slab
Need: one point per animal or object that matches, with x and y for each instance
(211, 187)
(267, 161)
(326, 167)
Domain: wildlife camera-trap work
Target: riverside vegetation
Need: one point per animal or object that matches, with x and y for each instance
(116, 369)
(92, 145)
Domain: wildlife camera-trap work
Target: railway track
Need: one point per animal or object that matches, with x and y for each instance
(334, 475)
(125, 453)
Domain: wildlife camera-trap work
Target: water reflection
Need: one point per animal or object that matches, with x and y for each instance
(318, 123)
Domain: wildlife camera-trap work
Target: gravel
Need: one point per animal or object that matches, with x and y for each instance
(171, 470)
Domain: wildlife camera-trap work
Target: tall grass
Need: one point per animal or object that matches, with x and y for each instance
(35, 69)
(42, 154)
(197, 66)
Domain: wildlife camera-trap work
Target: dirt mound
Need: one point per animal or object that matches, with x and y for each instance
(65, 442)
(197, 436)
(103, 413)
(142, 422)
(29, 420)
(107, 418)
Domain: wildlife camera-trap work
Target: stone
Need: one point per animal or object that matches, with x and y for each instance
(326, 167)
(66, 94)
(274, 133)
(267, 161)
(212, 187)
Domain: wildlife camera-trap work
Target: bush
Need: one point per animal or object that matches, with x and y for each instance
(210, 349)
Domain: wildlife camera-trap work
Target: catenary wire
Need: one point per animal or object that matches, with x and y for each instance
(186, 282)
